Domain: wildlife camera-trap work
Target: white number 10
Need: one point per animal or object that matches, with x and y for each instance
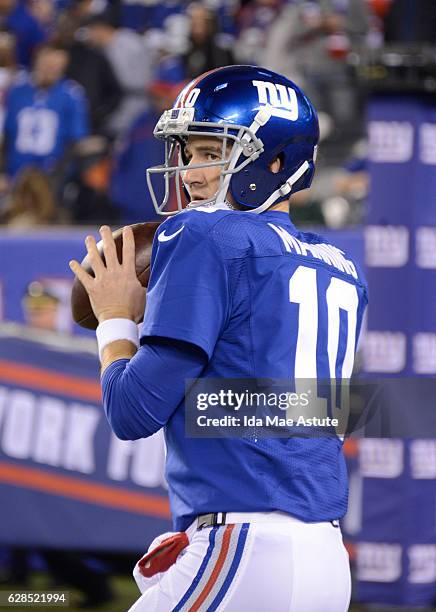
(340, 294)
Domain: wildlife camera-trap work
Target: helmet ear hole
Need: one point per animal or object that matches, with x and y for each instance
(277, 163)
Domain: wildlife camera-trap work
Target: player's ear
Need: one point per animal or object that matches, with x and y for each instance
(276, 164)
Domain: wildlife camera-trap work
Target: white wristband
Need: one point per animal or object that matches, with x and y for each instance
(116, 329)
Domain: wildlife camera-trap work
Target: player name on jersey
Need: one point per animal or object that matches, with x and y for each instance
(326, 252)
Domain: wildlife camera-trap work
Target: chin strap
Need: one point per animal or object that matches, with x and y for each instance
(284, 190)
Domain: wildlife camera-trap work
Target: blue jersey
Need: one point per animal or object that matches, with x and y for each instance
(41, 123)
(27, 30)
(262, 300)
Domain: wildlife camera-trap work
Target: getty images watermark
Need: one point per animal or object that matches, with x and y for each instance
(256, 408)
(260, 407)
(228, 399)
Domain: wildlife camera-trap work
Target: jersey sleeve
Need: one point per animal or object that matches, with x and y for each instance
(187, 296)
(138, 397)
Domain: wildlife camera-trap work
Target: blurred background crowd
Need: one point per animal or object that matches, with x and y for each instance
(82, 83)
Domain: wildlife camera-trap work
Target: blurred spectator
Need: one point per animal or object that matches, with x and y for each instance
(380, 7)
(411, 21)
(82, 9)
(375, 35)
(136, 152)
(338, 195)
(90, 68)
(31, 201)
(352, 181)
(309, 42)
(8, 70)
(86, 195)
(254, 20)
(142, 16)
(226, 11)
(15, 17)
(127, 55)
(40, 307)
(177, 29)
(345, 206)
(46, 114)
(204, 53)
(44, 11)
(165, 51)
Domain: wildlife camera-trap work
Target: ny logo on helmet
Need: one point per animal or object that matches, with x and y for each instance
(281, 99)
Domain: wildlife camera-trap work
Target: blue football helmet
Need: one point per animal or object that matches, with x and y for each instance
(263, 115)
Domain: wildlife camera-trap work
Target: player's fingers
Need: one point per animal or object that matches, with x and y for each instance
(81, 274)
(93, 255)
(109, 248)
(128, 248)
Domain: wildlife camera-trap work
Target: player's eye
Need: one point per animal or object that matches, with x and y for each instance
(213, 156)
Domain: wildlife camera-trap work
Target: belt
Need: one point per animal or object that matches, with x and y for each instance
(216, 519)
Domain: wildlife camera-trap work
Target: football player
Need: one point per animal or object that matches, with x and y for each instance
(236, 291)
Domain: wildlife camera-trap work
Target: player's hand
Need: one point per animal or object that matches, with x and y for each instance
(115, 291)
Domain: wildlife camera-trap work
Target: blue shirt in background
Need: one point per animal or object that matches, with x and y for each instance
(41, 123)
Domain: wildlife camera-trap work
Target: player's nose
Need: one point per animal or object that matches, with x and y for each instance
(193, 176)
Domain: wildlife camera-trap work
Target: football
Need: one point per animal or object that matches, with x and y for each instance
(143, 234)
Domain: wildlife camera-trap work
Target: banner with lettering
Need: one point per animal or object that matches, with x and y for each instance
(395, 528)
(390, 524)
(400, 238)
(65, 480)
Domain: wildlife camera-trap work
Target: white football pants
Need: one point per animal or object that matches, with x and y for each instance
(267, 562)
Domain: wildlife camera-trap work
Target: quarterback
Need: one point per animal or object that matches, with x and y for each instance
(236, 291)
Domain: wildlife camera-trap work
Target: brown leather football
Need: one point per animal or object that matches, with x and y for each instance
(143, 234)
